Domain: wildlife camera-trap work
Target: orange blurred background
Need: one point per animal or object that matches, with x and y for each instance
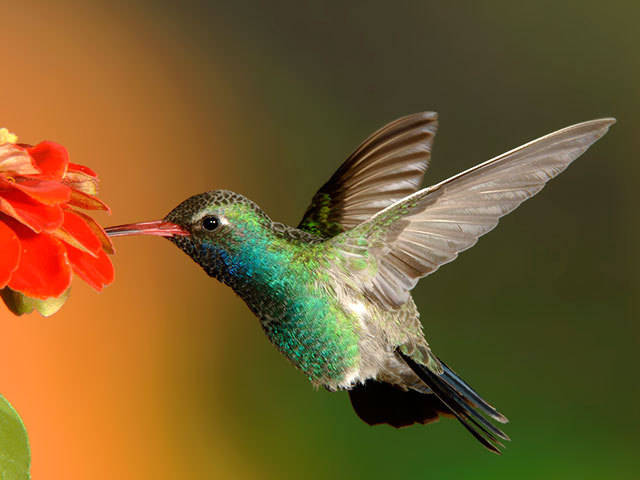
(96, 384)
(167, 375)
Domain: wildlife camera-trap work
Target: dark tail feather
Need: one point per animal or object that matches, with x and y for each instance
(462, 401)
(470, 395)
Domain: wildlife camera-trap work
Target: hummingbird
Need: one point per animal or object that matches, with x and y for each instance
(334, 293)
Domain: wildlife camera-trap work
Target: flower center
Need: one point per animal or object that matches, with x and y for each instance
(7, 137)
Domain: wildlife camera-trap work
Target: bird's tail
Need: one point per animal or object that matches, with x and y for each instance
(378, 402)
(463, 402)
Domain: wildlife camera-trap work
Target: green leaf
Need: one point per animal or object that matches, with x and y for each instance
(15, 457)
(20, 304)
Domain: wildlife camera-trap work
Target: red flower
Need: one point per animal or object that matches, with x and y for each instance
(44, 238)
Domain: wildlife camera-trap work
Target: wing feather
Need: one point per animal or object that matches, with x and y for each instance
(388, 166)
(416, 235)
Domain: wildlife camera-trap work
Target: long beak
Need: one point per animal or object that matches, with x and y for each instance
(159, 228)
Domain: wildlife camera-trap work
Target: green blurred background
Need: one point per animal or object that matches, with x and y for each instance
(166, 374)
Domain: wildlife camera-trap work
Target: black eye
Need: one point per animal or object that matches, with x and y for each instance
(210, 222)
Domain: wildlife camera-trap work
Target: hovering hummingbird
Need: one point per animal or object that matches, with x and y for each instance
(334, 294)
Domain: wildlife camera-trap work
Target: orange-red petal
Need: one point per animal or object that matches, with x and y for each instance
(96, 271)
(88, 202)
(75, 167)
(105, 240)
(10, 251)
(51, 158)
(33, 214)
(77, 228)
(50, 192)
(44, 270)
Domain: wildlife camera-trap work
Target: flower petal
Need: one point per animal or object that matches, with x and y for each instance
(50, 192)
(96, 271)
(88, 202)
(9, 253)
(16, 160)
(75, 167)
(76, 227)
(105, 240)
(81, 181)
(51, 158)
(44, 269)
(35, 215)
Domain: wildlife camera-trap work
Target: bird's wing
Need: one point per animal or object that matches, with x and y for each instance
(388, 166)
(410, 239)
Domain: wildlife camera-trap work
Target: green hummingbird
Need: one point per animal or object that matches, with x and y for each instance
(334, 294)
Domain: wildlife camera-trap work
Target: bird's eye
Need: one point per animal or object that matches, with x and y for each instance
(210, 223)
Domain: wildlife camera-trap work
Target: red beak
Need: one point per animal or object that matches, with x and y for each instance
(159, 228)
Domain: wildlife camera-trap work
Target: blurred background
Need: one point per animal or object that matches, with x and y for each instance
(166, 374)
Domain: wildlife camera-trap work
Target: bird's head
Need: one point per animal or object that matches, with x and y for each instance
(212, 228)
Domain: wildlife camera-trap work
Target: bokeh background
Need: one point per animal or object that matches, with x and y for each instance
(167, 375)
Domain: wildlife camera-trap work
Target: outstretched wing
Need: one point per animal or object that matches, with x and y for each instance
(388, 166)
(411, 239)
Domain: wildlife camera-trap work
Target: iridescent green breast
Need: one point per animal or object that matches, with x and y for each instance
(300, 315)
(277, 271)
(312, 331)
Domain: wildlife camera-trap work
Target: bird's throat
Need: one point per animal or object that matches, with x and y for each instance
(281, 282)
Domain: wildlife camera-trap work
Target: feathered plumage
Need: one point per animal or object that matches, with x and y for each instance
(334, 295)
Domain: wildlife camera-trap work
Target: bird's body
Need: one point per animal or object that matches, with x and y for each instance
(333, 295)
(277, 271)
(308, 304)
